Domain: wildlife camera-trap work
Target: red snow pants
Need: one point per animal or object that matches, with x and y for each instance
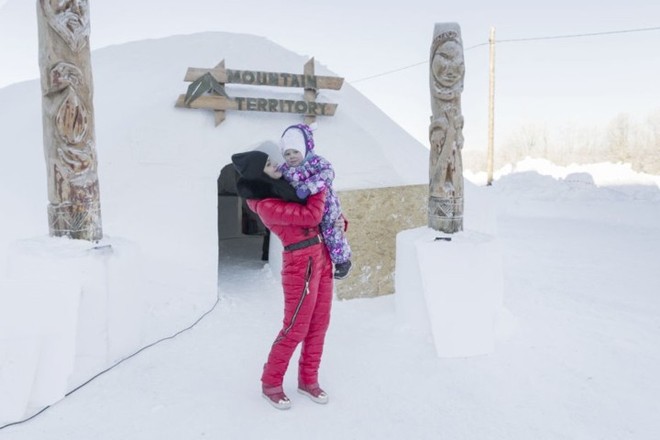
(307, 284)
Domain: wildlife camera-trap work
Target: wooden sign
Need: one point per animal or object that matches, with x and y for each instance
(207, 91)
(260, 105)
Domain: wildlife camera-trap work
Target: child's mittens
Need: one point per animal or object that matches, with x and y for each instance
(303, 192)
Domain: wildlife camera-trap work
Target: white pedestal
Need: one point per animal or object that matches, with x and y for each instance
(77, 306)
(37, 344)
(450, 289)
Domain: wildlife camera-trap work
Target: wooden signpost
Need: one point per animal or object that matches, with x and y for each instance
(207, 90)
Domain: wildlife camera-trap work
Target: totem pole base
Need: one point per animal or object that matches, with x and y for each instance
(81, 221)
(450, 287)
(68, 310)
(446, 214)
(446, 225)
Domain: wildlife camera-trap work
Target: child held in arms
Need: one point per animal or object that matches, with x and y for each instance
(310, 173)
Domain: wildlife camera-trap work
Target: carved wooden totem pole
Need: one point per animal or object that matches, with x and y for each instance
(68, 119)
(447, 72)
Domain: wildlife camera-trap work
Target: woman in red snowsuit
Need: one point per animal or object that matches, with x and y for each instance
(306, 274)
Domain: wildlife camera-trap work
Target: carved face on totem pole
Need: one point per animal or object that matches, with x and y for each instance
(448, 67)
(70, 19)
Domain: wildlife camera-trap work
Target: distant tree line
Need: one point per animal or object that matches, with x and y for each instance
(624, 139)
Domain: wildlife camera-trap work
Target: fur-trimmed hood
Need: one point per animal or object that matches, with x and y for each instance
(265, 188)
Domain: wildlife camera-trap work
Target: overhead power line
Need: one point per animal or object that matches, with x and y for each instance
(591, 34)
(406, 67)
(513, 40)
(389, 72)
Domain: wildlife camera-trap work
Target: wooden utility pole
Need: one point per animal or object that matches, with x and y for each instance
(491, 108)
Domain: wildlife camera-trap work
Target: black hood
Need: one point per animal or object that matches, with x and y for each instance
(250, 164)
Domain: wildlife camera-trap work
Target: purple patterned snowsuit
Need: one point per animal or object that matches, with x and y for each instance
(310, 177)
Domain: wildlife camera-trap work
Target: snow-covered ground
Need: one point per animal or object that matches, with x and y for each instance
(578, 360)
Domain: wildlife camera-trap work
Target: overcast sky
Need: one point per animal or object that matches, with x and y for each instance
(588, 79)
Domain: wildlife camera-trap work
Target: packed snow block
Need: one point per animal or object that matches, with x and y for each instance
(37, 343)
(19, 357)
(461, 288)
(105, 282)
(411, 309)
(111, 308)
(126, 299)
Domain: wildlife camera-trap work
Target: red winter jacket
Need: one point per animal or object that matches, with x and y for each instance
(291, 222)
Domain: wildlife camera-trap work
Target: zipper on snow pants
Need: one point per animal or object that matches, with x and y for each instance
(305, 292)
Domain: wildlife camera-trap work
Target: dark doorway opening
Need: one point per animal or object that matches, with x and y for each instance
(242, 237)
